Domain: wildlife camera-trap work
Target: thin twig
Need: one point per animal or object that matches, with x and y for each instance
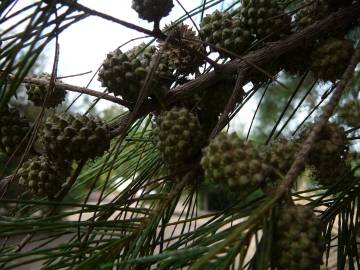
(329, 109)
(74, 88)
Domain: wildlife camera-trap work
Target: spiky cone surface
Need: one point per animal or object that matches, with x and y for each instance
(37, 93)
(212, 103)
(217, 96)
(329, 153)
(235, 164)
(349, 113)
(330, 59)
(178, 136)
(74, 137)
(311, 11)
(13, 129)
(266, 19)
(281, 156)
(298, 239)
(225, 31)
(43, 177)
(152, 10)
(124, 74)
(183, 60)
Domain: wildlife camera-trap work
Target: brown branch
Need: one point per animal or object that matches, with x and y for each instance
(329, 109)
(73, 88)
(259, 57)
(268, 53)
(93, 12)
(156, 33)
(93, 93)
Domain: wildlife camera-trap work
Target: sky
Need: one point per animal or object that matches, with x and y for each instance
(84, 45)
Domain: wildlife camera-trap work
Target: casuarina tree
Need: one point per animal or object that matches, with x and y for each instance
(294, 189)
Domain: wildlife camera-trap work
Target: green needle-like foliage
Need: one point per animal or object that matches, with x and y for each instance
(79, 191)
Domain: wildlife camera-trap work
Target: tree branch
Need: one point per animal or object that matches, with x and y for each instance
(73, 88)
(156, 33)
(259, 57)
(93, 12)
(268, 53)
(329, 109)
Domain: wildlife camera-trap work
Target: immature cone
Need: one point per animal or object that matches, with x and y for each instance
(43, 177)
(281, 156)
(330, 59)
(215, 98)
(298, 240)
(183, 60)
(152, 10)
(13, 129)
(225, 31)
(310, 12)
(349, 113)
(124, 74)
(68, 137)
(327, 157)
(231, 162)
(177, 135)
(267, 19)
(37, 93)
(213, 101)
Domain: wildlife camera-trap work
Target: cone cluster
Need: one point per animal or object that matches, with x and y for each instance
(13, 129)
(328, 156)
(38, 93)
(330, 59)
(311, 12)
(152, 10)
(224, 31)
(124, 74)
(68, 137)
(42, 177)
(62, 139)
(181, 60)
(298, 240)
(230, 161)
(281, 156)
(178, 136)
(266, 19)
(349, 113)
(213, 101)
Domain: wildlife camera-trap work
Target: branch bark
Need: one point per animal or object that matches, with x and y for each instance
(73, 88)
(259, 57)
(329, 109)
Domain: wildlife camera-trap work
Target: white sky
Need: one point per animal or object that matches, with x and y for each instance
(84, 45)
